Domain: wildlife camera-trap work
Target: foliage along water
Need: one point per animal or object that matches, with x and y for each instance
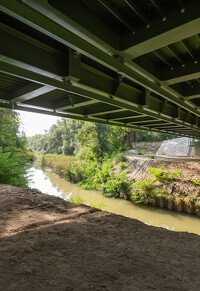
(47, 182)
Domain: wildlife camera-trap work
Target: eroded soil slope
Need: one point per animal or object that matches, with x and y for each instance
(49, 244)
(183, 185)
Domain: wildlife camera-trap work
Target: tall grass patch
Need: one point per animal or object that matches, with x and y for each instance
(59, 164)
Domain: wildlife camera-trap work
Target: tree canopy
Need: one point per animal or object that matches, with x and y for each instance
(69, 136)
(14, 154)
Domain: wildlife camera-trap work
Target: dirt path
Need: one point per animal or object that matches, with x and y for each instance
(49, 244)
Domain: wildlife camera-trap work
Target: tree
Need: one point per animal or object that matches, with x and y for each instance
(14, 154)
(70, 129)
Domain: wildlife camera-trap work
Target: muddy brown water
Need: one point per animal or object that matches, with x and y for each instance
(49, 183)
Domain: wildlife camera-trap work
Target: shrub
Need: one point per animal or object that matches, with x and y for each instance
(143, 191)
(85, 153)
(140, 153)
(196, 182)
(190, 201)
(147, 184)
(178, 200)
(90, 174)
(12, 172)
(151, 156)
(160, 174)
(116, 185)
(119, 157)
(122, 166)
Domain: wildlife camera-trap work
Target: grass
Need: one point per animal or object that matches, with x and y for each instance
(97, 206)
(75, 200)
(58, 163)
(80, 200)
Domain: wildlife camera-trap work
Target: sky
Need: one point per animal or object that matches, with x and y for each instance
(34, 123)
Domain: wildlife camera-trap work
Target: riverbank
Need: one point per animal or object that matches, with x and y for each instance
(166, 182)
(49, 244)
(48, 182)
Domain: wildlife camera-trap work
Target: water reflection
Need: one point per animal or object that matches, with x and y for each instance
(49, 183)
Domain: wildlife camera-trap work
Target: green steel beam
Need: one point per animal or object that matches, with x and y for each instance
(141, 121)
(128, 117)
(172, 73)
(85, 91)
(58, 32)
(194, 97)
(160, 9)
(107, 112)
(190, 71)
(78, 24)
(30, 91)
(23, 63)
(170, 126)
(141, 15)
(155, 125)
(32, 53)
(113, 9)
(77, 105)
(5, 93)
(84, 118)
(188, 91)
(188, 48)
(178, 26)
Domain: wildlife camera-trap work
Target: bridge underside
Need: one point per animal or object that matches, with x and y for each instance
(121, 62)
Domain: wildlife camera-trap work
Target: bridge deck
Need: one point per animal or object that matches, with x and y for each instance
(122, 62)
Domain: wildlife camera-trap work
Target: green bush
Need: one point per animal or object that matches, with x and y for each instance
(119, 157)
(196, 182)
(90, 174)
(160, 174)
(147, 184)
(143, 191)
(122, 166)
(190, 201)
(116, 185)
(11, 171)
(151, 156)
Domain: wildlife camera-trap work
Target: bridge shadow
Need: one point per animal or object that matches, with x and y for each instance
(97, 250)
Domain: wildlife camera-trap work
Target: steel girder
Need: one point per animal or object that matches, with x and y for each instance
(71, 71)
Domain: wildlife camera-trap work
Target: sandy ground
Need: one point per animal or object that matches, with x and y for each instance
(49, 244)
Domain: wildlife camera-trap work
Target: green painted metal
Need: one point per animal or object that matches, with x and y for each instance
(89, 60)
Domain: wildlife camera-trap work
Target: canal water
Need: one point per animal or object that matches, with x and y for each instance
(49, 183)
